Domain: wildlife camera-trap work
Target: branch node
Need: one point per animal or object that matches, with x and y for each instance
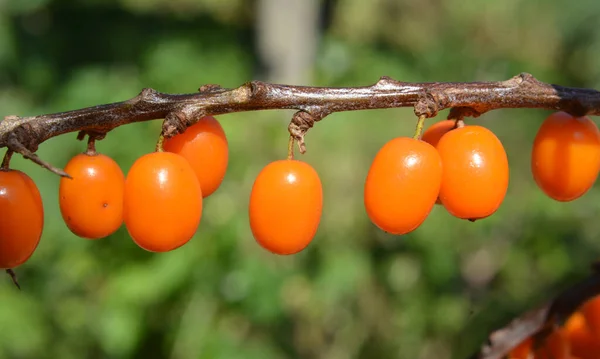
(147, 94)
(301, 122)
(174, 123)
(210, 88)
(386, 82)
(14, 145)
(429, 104)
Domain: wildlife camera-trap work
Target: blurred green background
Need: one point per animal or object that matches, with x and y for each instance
(355, 292)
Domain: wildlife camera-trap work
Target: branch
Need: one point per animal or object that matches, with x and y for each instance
(465, 99)
(25, 134)
(539, 322)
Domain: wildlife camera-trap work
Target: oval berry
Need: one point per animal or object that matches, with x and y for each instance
(591, 312)
(162, 204)
(204, 146)
(91, 202)
(285, 206)
(476, 173)
(433, 134)
(583, 341)
(565, 159)
(22, 219)
(402, 185)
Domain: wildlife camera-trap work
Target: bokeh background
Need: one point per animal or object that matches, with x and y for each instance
(355, 292)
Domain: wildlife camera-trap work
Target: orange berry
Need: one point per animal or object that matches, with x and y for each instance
(583, 343)
(475, 178)
(402, 185)
(22, 219)
(433, 134)
(162, 205)
(522, 350)
(91, 203)
(285, 206)
(565, 159)
(204, 146)
(556, 347)
(591, 312)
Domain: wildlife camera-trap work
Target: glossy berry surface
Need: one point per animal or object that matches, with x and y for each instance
(402, 185)
(476, 172)
(162, 204)
(204, 146)
(21, 219)
(565, 159)
(285, 206)
(91, 202)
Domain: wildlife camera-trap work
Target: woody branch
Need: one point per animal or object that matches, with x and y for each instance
(24, 134)
(465, 99)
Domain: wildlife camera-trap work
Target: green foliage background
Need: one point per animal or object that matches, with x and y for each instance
(355, 292)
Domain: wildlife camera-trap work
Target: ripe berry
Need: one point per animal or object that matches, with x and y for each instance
(22, 219)
(162, 205)
(204, 146)
(285, 206)
(402, 185)
(565, 159)
(433, 134)
(583, 342)
(475, 178)
(91, 203)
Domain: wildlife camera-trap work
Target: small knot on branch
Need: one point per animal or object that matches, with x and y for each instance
(301, 122)
(429, 104)
(146, 95)
(174, 123)
(386, 82)
(211, 88)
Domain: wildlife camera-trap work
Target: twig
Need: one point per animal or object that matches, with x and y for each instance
(25, 134)
(536, 322)
(13, 276)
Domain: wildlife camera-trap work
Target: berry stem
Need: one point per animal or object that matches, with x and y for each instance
(420, 125)
(91, 146)
(6, 160)
(13, 276)
(159, 144)
(290, 155)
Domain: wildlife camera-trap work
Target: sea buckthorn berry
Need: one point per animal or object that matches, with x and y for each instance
(556, 346)
(584, 345)
(591, 312)
(565, 159)
(523, 350)
(91, 202)
(162, 204)
(402, 185)
(433, 134)
(285, 206)
(204, 146)
(476, 173)
(22, 219)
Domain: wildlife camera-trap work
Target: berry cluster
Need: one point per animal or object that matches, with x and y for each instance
(462, 167)
(578, 338)
(465, 169)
